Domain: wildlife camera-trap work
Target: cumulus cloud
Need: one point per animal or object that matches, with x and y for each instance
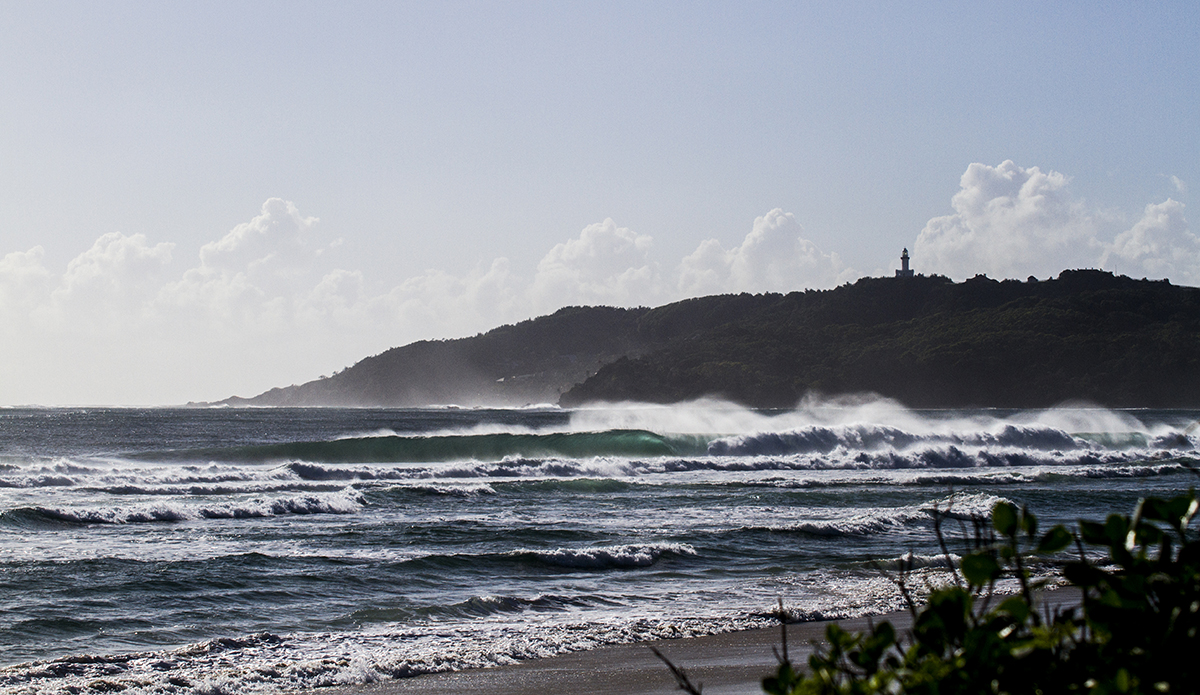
(116, 264)
(443, 303)
(1159, 245)
(1179, 184)
(1009, 221)
(24, 282)
(275, 243)
(266, 303)
(605, 264)
(773, 257)
(257, 272)
(104, 289)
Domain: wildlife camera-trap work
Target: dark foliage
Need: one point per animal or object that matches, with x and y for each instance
(926, 341)
(1135, 632)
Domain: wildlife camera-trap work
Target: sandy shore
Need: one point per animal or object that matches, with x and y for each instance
(727, 664)
(724, 664)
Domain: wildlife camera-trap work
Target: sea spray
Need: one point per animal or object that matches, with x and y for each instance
(227, 550)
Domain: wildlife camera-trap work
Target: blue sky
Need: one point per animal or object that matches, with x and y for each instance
(202, 199)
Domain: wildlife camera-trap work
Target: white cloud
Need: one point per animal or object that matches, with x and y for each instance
(274, 242)
(104, 289)
(1009, 221)
(74, 336)
(440, 304)
(24, 282)
(605, 264)
(116, 264)
(106, 328)
(1012, 222)
(773, 257)
(258, 274)
(1159, 245)
(266, 303)
(1179, 184)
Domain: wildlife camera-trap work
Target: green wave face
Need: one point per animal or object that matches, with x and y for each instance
(477, 447)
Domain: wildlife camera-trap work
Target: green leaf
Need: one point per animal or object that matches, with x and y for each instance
(1055, 540)
(1149, 535)
(1084, 575)
(1153, 509)
(1093, 532)
(1116, 530)
(1004, 518)
(1123, 680)
(1181, 509)
(980, 568)
(1028, 523)
(1016, 607)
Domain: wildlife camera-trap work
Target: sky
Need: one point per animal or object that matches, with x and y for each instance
(206, 199)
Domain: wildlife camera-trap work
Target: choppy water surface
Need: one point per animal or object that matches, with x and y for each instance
(243, 550)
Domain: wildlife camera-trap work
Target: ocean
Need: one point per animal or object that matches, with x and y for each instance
(246, 550)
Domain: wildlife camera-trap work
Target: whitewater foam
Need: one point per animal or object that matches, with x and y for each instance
(345, 502)
(474, 559)
(618, 556)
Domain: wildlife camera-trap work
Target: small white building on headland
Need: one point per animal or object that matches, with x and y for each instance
(905, 271)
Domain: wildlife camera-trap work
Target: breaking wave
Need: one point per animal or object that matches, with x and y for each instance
(882, 520)
(460, 447)
(605, 557)
(347, 502)
(870, 438)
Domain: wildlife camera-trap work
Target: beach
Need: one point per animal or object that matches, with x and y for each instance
(732, 663)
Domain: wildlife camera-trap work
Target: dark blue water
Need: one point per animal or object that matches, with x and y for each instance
(252, 550)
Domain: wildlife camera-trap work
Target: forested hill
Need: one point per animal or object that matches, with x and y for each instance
(925, 341)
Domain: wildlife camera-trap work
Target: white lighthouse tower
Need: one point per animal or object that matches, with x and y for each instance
(905, 271)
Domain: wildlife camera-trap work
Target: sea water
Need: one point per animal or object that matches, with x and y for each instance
(256, 550)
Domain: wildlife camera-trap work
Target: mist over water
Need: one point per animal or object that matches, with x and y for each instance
(252, 550)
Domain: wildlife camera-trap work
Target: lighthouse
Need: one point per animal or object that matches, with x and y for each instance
(905, 271)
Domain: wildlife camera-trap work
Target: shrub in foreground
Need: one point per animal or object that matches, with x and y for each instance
(1135, 630)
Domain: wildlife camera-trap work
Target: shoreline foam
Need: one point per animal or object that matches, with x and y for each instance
(731, 663)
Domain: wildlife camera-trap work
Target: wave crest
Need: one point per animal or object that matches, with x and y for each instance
(345, 502)
(816, 439)
(605, 557)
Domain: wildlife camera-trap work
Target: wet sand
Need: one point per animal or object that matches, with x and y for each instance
(728, 664)
(725, 664)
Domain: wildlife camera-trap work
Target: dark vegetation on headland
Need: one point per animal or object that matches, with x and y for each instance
(924, 341)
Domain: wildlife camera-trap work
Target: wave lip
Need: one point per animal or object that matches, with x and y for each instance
(438, 448)
(865, 523)
(628, 556)
(913, 561)
(815, 439)
(881, 520)
(345, 502)
(604, 473)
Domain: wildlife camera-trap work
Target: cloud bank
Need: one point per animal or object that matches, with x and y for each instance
(772, 258)
(266, 304)
(1010, 222)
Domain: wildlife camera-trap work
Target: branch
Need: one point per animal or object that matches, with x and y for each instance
(681, 677)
